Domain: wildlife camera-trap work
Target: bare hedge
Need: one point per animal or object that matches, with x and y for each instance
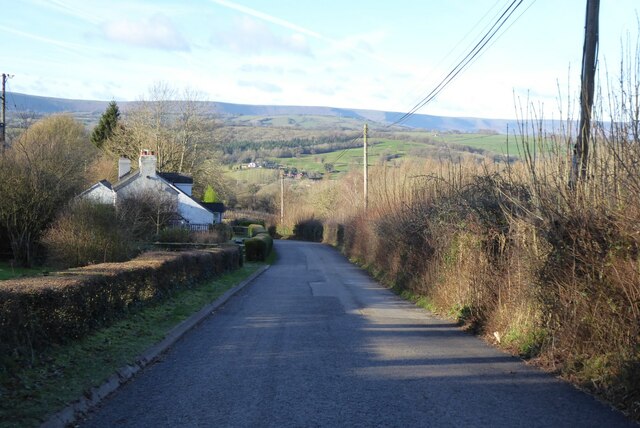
(40, 311)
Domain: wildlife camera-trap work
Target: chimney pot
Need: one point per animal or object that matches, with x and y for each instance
(147, 163)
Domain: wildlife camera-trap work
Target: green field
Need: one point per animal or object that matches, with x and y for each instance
(437, 146)
(253, 175)
(493, 143)
(342, 160)
(441, 147)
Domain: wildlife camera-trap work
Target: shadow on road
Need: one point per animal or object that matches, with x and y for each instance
(315, 342)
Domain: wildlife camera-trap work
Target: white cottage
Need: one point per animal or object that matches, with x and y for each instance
(192, 213)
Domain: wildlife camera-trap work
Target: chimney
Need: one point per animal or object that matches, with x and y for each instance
(124, 166)
(147, 163)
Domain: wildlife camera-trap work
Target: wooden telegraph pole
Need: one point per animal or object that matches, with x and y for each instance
(281, 197)
(366, 169)
(579, 163)
(4, 107)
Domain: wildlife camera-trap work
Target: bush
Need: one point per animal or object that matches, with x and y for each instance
(86, 233)
(333, 234)
(174, 234)
(222, 230)
(309, 230)
(273, 231)
(259, 247)
(255, 229)
(145, 213)
(37, 312)
(247, 222)
(41, 171)
(217, 234)
(240, 230)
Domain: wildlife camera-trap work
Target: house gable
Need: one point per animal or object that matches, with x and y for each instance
(101, 192)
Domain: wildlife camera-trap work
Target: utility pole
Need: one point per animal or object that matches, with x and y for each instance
(281, 197)
(4, 107)
(366, 169)
(580, 159)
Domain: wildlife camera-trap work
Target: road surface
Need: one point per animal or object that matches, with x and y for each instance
(315, 342)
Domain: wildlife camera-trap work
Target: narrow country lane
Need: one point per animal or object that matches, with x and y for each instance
(315, 342)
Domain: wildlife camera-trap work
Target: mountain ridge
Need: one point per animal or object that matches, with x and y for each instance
(225, 110)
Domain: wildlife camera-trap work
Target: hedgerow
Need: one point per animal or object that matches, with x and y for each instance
(255, 229)
(259, 247)
(37, 312)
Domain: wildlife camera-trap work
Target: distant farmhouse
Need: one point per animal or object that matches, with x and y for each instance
(193, 214)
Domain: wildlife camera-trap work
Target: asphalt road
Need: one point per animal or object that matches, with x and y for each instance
(315, 342)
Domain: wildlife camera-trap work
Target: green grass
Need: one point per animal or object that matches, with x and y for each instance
(254, 175)
(492, 143)
(62, 374)
(343, 160)
(7, 271)
(443, 145)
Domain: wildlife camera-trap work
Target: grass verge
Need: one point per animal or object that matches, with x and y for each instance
(61, 374)
(9, 271)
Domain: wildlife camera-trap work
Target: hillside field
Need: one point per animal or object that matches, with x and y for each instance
(443, 146)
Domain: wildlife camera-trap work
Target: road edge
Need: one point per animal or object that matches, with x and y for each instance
(69, 415)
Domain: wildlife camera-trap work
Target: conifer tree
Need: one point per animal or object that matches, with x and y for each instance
(210, 195)
(107, 125)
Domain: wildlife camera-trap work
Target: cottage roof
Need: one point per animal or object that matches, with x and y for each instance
(176, 177)
(214, 207)
(104, 183)
(126, 179)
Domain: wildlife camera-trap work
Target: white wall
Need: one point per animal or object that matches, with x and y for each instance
(101, 194)
(192, 211)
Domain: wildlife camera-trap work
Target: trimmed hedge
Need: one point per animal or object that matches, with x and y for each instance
(259, 247)
(40, 311)
(255, 229)
(240, 230)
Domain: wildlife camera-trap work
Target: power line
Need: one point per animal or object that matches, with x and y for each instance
(354, 139)
(452, 50)
(464, 63)
(461, 64)
(505, 30)
(13, 101)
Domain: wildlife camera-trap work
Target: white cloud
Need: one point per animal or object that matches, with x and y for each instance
(262, 86)
(249, 36)
(268, 18)
(324, 90)
(156, 32)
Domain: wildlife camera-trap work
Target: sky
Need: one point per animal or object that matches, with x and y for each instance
(368, 54)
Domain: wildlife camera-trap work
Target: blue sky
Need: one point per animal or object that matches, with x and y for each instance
(382, 55)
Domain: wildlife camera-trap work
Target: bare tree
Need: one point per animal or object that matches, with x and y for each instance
(178, 131)
(147, 212)
(41, 171)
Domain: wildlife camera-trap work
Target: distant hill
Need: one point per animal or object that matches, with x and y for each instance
(89, 112)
